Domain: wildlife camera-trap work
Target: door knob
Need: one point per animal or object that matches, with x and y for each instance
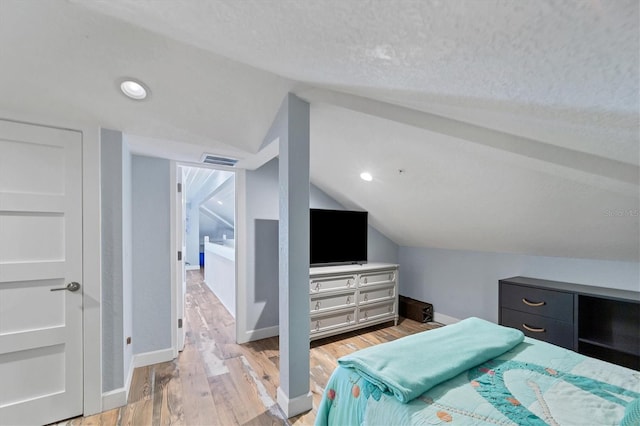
(72, 286)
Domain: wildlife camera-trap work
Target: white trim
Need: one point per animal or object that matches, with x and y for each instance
(293, 407)
(91, 248)
(444, 319)
(240, 246)
(154, 357)
(175, 282)
(242, 336)
(192, 267)
(114, 399)
(118, 397)
(91, 270)
(261, 333)
(127, 383)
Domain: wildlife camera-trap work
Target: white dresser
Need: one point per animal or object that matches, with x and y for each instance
(345, 298)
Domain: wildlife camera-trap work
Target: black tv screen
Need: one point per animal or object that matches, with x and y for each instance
(338, 237)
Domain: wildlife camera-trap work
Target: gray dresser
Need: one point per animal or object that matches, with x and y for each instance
(599, 322)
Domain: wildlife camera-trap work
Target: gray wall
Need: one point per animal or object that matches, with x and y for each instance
(215, 229)
(127, 254)
(116, 258)
(151, 253)
(465, 283)
(262, 288)
(262, 211)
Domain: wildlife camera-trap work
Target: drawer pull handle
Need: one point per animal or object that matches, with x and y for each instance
(365, 280)
(390, 277)
(348, 319)
(348, 283)
(317, 325)
(534, 304)
(533, 329)
(317, 288)
(390, 291)
(317, 305)
(366, 297)
(348, 300)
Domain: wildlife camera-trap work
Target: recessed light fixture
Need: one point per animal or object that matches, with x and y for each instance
(133, 89)
(366, 176)
(219, 202)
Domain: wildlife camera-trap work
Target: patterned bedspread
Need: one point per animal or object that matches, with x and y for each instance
(533, 384)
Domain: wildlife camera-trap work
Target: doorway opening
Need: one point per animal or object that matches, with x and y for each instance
(205, 235)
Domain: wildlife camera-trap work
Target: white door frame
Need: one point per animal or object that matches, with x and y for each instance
(91, 248)
(240, 247)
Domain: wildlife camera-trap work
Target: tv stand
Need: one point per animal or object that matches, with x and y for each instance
(349, 297)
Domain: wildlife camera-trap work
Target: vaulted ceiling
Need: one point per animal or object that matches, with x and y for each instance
(487, 125)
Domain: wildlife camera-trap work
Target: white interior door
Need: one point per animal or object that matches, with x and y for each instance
(181, 243)
(40, 251)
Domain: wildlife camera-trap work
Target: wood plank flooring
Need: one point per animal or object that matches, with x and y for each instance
(215, 381)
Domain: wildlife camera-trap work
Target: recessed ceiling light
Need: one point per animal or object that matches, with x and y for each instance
(219, 202)
(366, 176)
(133, 89)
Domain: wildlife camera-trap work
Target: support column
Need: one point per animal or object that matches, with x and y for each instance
(294, 396)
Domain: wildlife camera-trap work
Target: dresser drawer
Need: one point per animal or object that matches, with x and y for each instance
(333, 320)
(548, 303)
(323, 302)
(538, 327)
(377, 278)
(322, 284)
(376, 294)
(376, 312)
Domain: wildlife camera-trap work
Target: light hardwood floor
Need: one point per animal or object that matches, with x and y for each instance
(215, 381)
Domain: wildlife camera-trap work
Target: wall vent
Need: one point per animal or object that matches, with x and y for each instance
(219, 161)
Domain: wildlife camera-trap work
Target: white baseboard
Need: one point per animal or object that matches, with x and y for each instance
(118, 397)
(295, 406)
(444, 319)
(114, 399)
(261, 333)
(192, 267)
(127, 383)
(155, 357)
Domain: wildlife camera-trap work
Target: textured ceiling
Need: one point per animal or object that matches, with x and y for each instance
(63, 60)
(570, 63)
(555, 84)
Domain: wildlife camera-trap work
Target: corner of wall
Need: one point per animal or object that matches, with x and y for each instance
(118, 397)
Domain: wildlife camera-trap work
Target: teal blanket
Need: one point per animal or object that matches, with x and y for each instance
(410, 366)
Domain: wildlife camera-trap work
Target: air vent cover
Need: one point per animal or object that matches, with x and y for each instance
(219, 161)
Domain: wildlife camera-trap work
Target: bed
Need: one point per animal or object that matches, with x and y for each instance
(477, 373)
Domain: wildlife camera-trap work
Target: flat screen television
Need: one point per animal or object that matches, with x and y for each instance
(338, 237)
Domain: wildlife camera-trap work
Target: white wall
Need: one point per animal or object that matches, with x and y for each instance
(465, 283)
(151, 254)
(220, 274)
(192, 234)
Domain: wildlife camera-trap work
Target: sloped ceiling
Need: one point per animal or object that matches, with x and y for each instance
(212, 189)
(488, 125)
